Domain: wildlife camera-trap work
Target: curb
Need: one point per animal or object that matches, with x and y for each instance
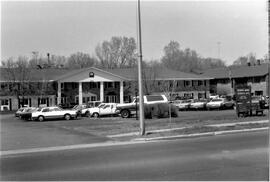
(173, 129)
(200, 134)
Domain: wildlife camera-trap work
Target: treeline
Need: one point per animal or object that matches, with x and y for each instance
(121, 52)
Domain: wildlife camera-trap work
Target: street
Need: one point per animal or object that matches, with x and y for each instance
(242, 156)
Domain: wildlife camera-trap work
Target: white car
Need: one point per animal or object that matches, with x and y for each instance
(182, 104)
(198, 104)
(53, 113)
(102, 110)
(216, 104)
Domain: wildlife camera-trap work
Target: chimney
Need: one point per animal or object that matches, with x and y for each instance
(248, 63)
(258, 62)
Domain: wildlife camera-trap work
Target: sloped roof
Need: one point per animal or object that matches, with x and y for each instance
(159, 73)
(36, 74)
(237, 72)
(123, 73)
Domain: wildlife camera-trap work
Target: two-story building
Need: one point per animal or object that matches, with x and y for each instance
(227, 79)
(79, 86)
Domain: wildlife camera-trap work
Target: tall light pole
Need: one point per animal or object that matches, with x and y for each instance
(141, 106)
(218, 43)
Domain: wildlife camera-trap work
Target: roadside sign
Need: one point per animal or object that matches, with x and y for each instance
(243, 100)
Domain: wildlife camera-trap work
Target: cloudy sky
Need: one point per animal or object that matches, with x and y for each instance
(63, 28)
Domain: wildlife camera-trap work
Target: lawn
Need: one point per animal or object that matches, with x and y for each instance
(117, 125)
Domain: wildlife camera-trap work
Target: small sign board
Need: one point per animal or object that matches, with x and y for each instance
(243, 100)
(91, 74)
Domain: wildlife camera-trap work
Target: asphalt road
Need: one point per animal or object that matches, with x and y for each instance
(242, 156)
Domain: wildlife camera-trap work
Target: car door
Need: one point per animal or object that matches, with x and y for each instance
(105, 110)
(57, 113)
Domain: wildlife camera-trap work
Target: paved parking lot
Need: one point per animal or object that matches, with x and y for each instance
(19, 134)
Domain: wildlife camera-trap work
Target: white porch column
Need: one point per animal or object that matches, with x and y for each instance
(101, 91)
(121, 92)
(80, 93)
(58, 93)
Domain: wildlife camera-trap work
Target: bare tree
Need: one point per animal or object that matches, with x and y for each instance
(80, 60)
(119, 52)
(17, 73)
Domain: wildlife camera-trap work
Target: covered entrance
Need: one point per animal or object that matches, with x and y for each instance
(91, 84)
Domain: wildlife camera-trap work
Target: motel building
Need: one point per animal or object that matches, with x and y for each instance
(49, 87)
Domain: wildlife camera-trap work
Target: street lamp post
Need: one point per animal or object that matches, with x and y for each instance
(141, 106)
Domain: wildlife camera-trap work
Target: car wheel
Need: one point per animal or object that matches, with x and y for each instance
(87, 114)
(95, 115)
(67, 117)
(41, 118)
(125, 114)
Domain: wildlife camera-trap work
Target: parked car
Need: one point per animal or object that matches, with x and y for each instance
(128, 109)
(183, 104)
(217, 103)
(27, 113)
(85, 111)
(80, 108)
(53, 113)
(228, 104)
(198, 104)
(22, 110)
(17, 113)
(102, 110)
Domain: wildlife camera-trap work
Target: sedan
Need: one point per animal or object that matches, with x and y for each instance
(216, 104)
(53, 113)
(182, 104)
(198, 104)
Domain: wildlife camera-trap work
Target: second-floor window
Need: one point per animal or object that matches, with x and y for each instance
(187, 83)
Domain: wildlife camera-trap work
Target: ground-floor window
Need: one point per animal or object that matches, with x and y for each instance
(201, 95)
(258, 93)
(4, 102)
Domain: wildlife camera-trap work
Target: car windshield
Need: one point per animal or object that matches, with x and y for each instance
(101, 105)
(216, 100)
(186, 101)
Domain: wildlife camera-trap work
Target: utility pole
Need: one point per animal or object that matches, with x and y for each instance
(218, 43)
(141, 103)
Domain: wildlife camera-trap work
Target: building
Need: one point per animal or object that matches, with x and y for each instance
(68, 87)
(227, 79)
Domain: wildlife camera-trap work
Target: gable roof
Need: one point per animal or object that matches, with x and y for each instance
(160, 73)
(237, 71)
(35, 74)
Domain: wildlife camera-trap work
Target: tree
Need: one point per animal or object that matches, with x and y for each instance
(80, 60)
(18, 74)
(243, 60)
(119, 52)
(187, 60)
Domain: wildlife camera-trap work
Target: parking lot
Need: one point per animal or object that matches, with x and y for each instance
(20, 134)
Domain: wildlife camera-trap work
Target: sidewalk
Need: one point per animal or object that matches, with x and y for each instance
(215, 130)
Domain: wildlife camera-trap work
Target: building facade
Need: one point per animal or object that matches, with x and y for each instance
(50, 87)
(225, 80)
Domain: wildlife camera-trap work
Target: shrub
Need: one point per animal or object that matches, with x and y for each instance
(160, 110)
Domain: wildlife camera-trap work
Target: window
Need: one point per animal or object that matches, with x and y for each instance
(259, 93)
(186, 83)
(257, 80)
(109, 84)
(4, 102)
(43, 101)
(93, 98)
(200, 82)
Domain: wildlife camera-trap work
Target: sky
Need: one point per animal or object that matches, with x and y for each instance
(218, 29)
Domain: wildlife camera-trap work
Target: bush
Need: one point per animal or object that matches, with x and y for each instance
(160, 110)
